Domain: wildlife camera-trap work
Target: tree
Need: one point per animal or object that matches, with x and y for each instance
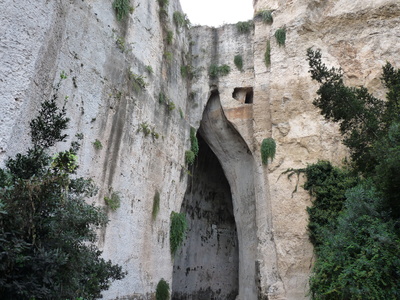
(47, 229)
(354, 221)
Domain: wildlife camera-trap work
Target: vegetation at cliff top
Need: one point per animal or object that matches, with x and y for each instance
(355, 217)
(244, 27)
(265, 16)
(47, 229)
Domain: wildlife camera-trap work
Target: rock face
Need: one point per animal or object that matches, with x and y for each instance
(138, 92)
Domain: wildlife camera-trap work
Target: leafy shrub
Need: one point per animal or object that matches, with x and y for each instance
(266, 16)
(170, 37)
(238, 60)
(267, 55)
(189, 157)
(280, 35)
(120, 41)
(216, 71)
(168, 56)
(122, 8)
(244, 27)
(156, 205)
(181, 20)
(327, 185)
(171, 105)
(177, 231)
(162, 98)
(268, 149)
(138, 81)
(97, 145)
(162, 290)
(113, 201)
(187, 71)
(149, 69)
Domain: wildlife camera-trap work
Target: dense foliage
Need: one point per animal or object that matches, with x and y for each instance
(177, 231)
(354, 220)
(162, 290)
(268, 149)
(47, 229)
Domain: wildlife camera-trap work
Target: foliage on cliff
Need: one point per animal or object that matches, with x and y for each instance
(354, 220)
(46, 227)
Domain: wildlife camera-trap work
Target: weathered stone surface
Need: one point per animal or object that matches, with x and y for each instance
(40, 39)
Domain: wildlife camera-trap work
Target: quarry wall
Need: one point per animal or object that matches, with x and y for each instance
(258, 238)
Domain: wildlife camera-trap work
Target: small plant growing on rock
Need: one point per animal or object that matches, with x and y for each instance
(138, 82)
(216, 71)
(149, 69)
(268, 149)
(177, 231)
(238, 60)
(244, 27)
(113, 201)
(265, 16)
(194, 143)
(156, 205)
(181, 20)
(122, 8)
(97, 145)
(189, 157)
(162, 290)
(120, 41)
(170, 37)
(280, 35)
(267, 55)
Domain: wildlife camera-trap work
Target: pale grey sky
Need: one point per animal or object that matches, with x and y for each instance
(217, 12)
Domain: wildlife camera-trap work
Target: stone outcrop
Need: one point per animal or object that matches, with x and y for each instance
(256, 245)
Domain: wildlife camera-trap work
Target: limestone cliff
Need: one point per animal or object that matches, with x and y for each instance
(125, 88)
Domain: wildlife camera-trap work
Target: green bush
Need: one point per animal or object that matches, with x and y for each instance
(238, 60)
(189, 157)
(156, 205)
(149, 69)
(266, 16)
(181, 20)
(122, 8)
(267, 55)
(113, 201)
(97, 145)
(216, 71)
(177, 231)
(187, 71)
(280, 36)
(170, 37)
(244, 27)
(268, 149)
(138, 81)
(162, 290)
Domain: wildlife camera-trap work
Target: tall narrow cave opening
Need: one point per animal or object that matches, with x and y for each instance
(207, 265)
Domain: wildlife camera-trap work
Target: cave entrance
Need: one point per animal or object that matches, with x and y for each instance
(218, 259)
(207, 265)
